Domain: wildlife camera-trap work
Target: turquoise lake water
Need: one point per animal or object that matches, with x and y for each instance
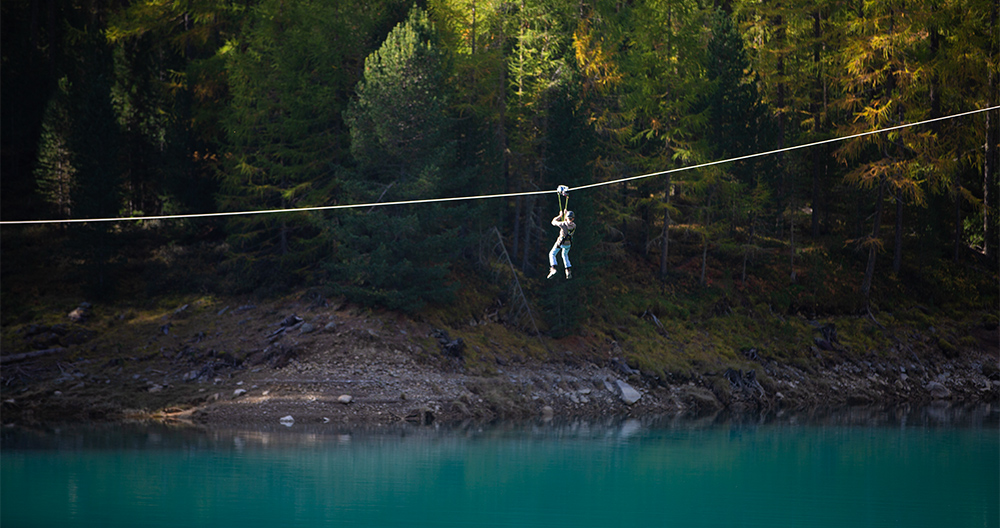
(841, 471)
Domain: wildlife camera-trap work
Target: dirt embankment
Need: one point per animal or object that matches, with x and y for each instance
(260, 364)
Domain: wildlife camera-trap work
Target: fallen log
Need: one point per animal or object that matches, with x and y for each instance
(29, 355)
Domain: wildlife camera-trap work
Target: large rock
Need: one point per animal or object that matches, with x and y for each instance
(81, 313)
(938, 391)
(628, 394)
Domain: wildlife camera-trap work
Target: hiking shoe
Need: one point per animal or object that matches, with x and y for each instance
(552, 271)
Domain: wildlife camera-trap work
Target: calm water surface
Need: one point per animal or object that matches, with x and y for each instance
(904, 469)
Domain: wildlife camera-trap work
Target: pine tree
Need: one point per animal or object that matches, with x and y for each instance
(170, 95)
(879, 84)
(55, 171)
(472, 31)
(953, 73)
(991, 164)
(740, 124)
(643, 67)
(399, 114)
(285, 132)
(399, 257)
(95, 143)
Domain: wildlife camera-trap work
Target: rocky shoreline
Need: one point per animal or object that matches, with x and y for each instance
(252, 366)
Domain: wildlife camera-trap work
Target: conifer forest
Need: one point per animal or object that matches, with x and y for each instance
(126, 108)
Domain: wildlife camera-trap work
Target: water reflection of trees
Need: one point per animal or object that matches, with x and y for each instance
(144, 436)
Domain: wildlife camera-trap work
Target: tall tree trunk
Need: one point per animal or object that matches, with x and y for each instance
(814, 217)
(284, 238)
(704, 257)
(791, 256)
(743, 274)
(897, 193)
(935, 112)
(704, 240)
(817, 92)
(283, 230)
(473, 47)
(935, 94)
(991, 187)
(666, 231)
(539, 249)
(957, 250)
(502, 136)
(517, 225)
(782, 88)
(991, 167)
(529, 227)
(646, 221)
(866, 285)
(897, 253)
(624, 218)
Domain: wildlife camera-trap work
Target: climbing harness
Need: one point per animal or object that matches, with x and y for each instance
(564, 213)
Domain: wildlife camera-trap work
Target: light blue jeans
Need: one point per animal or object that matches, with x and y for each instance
(555, 251)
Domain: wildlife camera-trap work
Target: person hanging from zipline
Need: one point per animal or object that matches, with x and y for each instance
(566, 222)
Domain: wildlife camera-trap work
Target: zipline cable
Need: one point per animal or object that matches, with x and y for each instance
(272, 211)
(504, 195)
(786, 149)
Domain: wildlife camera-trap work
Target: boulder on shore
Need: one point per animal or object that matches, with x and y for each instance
(628, 394)
(938, 391)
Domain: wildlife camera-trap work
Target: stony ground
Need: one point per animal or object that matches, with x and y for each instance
(250, 364)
